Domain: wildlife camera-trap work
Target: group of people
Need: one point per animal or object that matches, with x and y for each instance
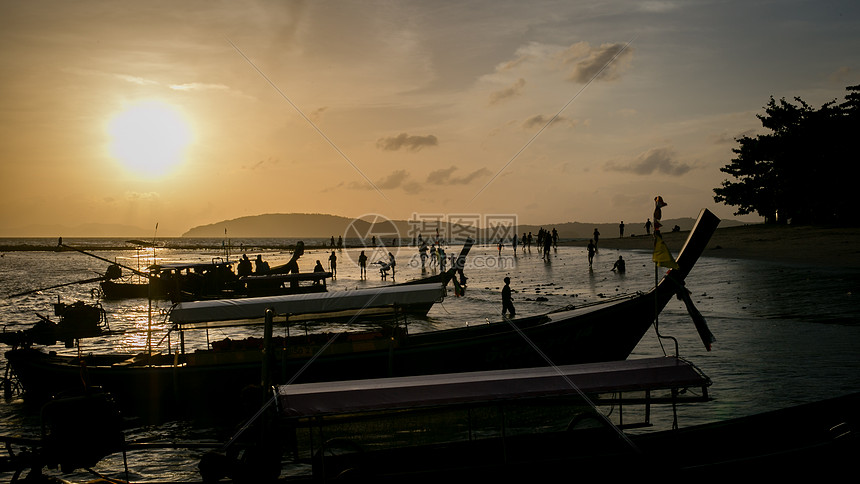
(507, 298)
(385, 266)
(243, 268)
(435, 253)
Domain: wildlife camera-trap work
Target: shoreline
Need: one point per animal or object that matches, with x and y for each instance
(836, 247)
(823, 246)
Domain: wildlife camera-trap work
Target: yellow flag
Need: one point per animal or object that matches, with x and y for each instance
(662, 257)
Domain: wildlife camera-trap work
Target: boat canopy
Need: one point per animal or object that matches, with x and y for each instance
(191, 312)
(402, 393)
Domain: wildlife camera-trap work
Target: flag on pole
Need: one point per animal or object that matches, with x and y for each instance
(658, 212)
(662, 257)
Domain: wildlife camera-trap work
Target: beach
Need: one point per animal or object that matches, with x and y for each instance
(822, 246)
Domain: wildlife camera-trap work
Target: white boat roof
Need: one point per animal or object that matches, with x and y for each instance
(399, 393)
(322, 302)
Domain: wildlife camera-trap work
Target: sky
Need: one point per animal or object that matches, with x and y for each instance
(174, 114)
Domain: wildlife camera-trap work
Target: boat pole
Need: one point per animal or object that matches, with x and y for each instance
(140, 273)
(266, 376)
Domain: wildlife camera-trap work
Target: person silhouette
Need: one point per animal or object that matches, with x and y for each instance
(591, 248)
(596, 239)
(332, 263)
(507, 301)
(362, 265)
(648, 227)
(621, 229)
(619, 265)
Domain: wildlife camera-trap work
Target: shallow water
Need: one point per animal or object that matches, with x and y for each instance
(785, 334)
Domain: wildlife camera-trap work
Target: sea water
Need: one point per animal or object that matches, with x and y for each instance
(785, 334)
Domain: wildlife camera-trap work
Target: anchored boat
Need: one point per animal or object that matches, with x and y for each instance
(194, 384)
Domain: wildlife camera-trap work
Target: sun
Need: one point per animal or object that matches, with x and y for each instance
(149, 138)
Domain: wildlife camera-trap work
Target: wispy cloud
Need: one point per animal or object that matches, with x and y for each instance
(445, 176)
(141, 81)
(393, 180)
(407, 142)
(199, 86)
(656, 160)
(142, 196)
(539, 120)
(260, 164)
(509, 92)
(588, 63)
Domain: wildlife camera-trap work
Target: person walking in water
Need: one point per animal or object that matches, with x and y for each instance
(507, 301)
(591, 250)
(547, 244)
(619, 265)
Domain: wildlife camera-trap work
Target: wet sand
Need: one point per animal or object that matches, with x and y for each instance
(824, 246)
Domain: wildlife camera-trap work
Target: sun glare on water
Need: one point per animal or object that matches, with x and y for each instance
(149, 138)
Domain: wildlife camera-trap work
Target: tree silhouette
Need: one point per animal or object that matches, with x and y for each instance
(802, 171)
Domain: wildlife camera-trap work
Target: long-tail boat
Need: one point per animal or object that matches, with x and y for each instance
(199, 383)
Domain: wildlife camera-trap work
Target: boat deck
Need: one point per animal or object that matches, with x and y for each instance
(635, 375)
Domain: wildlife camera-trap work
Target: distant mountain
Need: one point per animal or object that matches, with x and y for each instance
(315, 225)
(83, 230)
(277, 225)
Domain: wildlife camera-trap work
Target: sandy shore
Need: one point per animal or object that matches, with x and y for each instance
(825, 246)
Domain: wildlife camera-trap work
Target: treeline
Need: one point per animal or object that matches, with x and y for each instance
(802, 171)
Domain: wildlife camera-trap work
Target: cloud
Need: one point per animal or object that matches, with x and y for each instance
(509, 92)
(588, 62)
(261, 163)
(405, 141)
(658, 6)
(539, 121)
(725, 138)
(199, 86)
(145, 196)
(444, 176)
(841, 75)
(395, 179)
(136, 80)
(656, 160)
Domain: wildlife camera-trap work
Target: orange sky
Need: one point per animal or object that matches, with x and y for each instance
(551, 111)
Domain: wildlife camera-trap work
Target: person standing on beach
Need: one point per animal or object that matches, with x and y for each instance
(422, 251)
(648, 227)
(362, 265)
(391, 263)
(547, 243)
(332, 263)
(621, 229)
(507, 301)
(596, 238)
(591, 250)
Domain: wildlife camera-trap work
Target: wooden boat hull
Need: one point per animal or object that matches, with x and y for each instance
(202, 384)
(205, 384)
